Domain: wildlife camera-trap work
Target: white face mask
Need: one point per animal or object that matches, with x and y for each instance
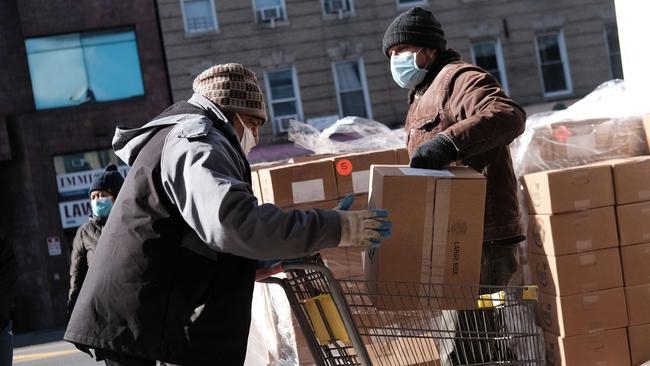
(247, 140)
(405, 70)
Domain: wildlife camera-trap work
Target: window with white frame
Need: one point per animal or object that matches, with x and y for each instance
(409, 3)
(614, 50)
(199, 16)
(338, 7)
(270, 11)
(488, 55)
(352, 89)
(284, 98)
(553, 63)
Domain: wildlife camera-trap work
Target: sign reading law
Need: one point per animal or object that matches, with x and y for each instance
(74, 175)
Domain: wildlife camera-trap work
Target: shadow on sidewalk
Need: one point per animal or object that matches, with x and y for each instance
(38, 337)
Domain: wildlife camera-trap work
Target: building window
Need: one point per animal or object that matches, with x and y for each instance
(614, 50)
(489, 56)
(338, 7)
(554, 64)
(352, 89)
(72, 69)
(199, 16)
(410, 3)
(284, 98)
(270, 11)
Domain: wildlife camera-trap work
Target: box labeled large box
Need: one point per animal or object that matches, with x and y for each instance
(602, 348)
(577, 273)
(636, 264)
(634, 223)
(294, 184)
(639, 350)
(570, 189)
(585, 313)
(437, 228)
(353, 170)
(632, 180)
(573, 232)
(638, 304)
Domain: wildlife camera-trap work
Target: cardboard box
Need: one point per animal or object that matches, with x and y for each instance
(639, 350)
(646, 127)
(353, 170)
(638, 304)
(344, 262)
(573, 232)
(632, 180)
(406, 351)
(636, 264)
(570, 189)
(577, 273)
(419, 200)
(634, 223)
(580, 142)
(255, 186)
(584, 313)
(602, 348)
(309, 158)
(298, 183)
(402, 156)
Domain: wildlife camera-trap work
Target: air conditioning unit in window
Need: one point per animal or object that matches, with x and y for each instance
(271, 13)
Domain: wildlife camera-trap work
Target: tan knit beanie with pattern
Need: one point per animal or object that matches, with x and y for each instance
(233, 88)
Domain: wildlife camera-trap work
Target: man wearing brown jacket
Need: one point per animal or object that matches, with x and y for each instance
(459, 112)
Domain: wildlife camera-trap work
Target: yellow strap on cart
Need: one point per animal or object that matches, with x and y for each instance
(326, 313)
(491, 300)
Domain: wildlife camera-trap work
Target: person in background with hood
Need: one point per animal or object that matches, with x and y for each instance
(459, 112)
(103, 191)
(174, 270)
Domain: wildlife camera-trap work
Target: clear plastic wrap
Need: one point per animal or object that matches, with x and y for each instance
(605, 124)
(347, 135)
(272, 340)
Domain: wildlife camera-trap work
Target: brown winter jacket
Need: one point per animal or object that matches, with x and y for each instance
(466, 104)
(83, 247)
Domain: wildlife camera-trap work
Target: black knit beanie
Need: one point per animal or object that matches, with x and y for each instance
(110, 180)
(417, 27)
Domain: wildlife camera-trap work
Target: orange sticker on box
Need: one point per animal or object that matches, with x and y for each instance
(344, 167)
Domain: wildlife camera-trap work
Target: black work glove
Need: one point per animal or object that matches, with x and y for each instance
(434, 154)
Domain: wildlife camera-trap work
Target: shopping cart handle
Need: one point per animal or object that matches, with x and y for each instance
(266, 272)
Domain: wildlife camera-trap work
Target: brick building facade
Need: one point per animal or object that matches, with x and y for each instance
(322, 58)
(41, 43)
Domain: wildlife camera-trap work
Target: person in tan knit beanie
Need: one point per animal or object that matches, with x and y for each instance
(235, 90)
(173, 273)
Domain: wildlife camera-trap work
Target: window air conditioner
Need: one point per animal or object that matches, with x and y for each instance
(270, 13)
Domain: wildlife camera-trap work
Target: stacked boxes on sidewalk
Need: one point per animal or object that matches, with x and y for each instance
(632, 183)
(587, 254)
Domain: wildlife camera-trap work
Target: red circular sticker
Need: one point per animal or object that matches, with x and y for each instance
(344, 167)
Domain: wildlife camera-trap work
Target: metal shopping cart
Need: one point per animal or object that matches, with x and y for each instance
(354, 322)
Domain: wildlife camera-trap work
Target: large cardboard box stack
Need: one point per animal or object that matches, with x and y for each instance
(437, 235)
(575, 260)
(632, 184)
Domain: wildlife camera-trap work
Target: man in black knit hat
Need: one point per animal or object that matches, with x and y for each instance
(459, 112)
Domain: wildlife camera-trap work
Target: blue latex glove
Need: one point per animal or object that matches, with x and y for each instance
(345, 203)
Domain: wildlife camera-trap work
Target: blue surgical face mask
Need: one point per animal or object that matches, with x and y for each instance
(101, 207)
(406, 72)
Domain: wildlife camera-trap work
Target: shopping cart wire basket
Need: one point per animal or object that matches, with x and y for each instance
(355, 322)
